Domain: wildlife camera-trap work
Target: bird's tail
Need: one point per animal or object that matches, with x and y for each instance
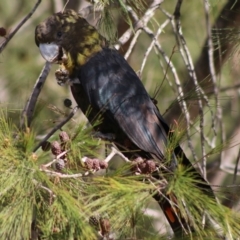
(169, 203)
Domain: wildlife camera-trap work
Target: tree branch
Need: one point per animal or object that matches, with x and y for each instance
(56, 128)
(10, 36)
(27, 113)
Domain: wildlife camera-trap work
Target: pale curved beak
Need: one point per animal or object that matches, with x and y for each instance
(49, 51)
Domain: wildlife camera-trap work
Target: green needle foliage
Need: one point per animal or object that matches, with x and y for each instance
(194, 202)
(29, 199)
(17, 189)
(33, 201)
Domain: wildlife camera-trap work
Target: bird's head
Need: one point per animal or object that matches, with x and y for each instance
(69, 37)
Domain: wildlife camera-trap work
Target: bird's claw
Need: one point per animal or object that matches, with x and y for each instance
(104, 136)
(62, 76)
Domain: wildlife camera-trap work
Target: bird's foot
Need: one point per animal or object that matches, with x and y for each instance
(62, 76)
(104, 136)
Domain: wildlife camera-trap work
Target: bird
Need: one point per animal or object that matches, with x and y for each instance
(102, 80)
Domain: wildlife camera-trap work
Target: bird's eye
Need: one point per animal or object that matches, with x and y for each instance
(59, 34)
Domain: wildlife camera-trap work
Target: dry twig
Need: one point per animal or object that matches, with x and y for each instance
(45, 169)
(140, 24)
(186, 56)
(10, 36)
(28, 110)
(57, 127)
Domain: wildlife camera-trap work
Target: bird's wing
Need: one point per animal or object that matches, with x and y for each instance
(112, 84)
(136, 116)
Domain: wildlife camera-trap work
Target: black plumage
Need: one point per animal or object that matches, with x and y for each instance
(102, 81)
(114, 89)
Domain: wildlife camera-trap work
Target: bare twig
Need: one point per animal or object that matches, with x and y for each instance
(222, 49)
(180, 96)
(10, 36)
(48, 190)
(191, 71)
(72, 113)
(62, 175)
(236, 169)
(154, 40)
(210, 143)
(28, 110)
(113, 153)
(77, 175)
(136, 35)
(55, 160)
(132, 44)
(210, 55)
(38, 184)
(218, 110)
(190, 66)
(140, 24)
(65, 5)
(177, 12)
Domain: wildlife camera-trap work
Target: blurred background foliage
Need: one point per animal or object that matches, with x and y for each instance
(21, 63)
